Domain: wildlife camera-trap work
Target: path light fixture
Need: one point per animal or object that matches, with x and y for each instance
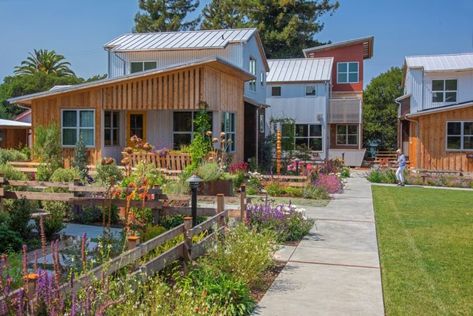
(297, 160)
(194, 182)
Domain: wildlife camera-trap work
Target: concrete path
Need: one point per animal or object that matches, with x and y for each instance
(334, 270)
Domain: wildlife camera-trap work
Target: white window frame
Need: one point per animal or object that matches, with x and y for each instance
(228, 132)
(252, 70)
(77, 127)
(262, 78)
(348, 72)
(111, 128)
(310, 86)
(280, 92)
(444, 91)
(347, 134)
(462, 136)
(143, 65)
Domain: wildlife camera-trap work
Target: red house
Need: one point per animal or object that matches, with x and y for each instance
(345, 110)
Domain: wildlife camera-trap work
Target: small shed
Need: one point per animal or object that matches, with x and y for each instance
(14, 134)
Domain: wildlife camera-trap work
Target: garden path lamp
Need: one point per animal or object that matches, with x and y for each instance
(194, 182)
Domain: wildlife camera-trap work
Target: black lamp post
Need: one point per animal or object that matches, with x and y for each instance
(194, 182)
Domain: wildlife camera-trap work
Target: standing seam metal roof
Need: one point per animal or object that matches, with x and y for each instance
(300, 69)
(450, 62)
(183, 40)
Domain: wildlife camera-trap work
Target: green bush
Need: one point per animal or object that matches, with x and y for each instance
(10, 240)
(10, 173)
(54, 222)
(151, 231)
(19, 212)
(7, 155)
(345, 172)
(244, 253)
(64, 175)
(209, 171)
(382, 176)
(298, 226)
(294, 192)
(179, 187)
(108, 174)
(145, 172)
(80, 159)
(315, 193)
(253, 186)
(47, 146)
(43, 172)
(275, 189)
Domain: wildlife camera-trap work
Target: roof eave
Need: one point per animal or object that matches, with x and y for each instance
(441, 109)
(369, 39)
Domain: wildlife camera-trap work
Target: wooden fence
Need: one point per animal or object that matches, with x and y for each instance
(168, 162)
(185, 250)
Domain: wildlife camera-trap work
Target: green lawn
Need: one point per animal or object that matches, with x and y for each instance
(426, 247)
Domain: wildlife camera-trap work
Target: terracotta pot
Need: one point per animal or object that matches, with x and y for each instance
(224, 187)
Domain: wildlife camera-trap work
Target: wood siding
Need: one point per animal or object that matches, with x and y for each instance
(430, 147)
(178, 90)
(14, 137)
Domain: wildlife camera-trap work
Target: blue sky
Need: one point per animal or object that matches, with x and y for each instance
(78, 29)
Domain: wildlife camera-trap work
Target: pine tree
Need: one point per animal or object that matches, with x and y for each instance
(223, 14)
(165, 15)
(286, 27)
(80, 159)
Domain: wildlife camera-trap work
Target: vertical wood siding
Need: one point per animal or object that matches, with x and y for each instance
(431, 143)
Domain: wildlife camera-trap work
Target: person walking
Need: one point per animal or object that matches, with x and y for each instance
(401, 162)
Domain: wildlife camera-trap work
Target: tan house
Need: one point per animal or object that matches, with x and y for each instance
(156, 105)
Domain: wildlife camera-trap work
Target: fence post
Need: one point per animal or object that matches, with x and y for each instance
(220, 209)
(2, 191)
(31, 282)
(187, 242)
(133, 241)
(243, 203)
(156, 211)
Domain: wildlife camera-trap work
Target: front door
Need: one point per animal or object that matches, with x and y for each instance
(136, 125)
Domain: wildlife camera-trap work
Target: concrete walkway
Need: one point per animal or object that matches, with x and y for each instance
(334, 270)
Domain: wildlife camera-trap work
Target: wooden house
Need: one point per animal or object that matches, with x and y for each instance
(157, 105)
(436, 112)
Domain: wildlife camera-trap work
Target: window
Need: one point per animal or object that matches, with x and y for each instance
(183, 128)
(77, 124)
(347, 72)
(459, 135)
(310, 91)
(444, 90)
(111, 129)
(138, 66)
(252, 68)
(305, 136)
(228, 126)
(261, 123)
(276, 91)
(261, 79)
(347, 134)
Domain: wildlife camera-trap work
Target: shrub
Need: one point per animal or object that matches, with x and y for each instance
(294, 192)
(47, 146)
(19, 212)
(179, 186)
(275, 189)
(10, 240)
(11, 173)
(145, 172)
(80, 159)
(151, 231)
(238, 179)
(64, 175)
(245, 253)
(11, 155)
(287, 222)
(315, 193)
(209, 171)
(238, 167)
(108, 174)
(330, 182)
(345, 172)
(53, 223)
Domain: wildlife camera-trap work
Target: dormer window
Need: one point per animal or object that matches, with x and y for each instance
(139, 66)
(444, 91)
(348, 72)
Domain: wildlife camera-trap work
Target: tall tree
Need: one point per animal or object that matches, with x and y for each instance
(286, 27)
(165, 15)
(45, 61)
(380, 109)
(223, 14)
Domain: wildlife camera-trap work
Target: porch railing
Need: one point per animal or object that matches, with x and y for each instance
(345, 111)
(169, 161)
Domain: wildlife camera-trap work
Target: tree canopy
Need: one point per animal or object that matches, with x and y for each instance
(45, 61)
(286, 27)
(165, 15)
(380, 109)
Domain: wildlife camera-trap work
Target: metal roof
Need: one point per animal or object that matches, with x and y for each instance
(209, 60)
(179, 40)
(10, 123)
(367, 42)
(450, 62)
(300, 69)
(440, 109)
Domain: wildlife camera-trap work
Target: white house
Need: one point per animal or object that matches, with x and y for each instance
(299, 89)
